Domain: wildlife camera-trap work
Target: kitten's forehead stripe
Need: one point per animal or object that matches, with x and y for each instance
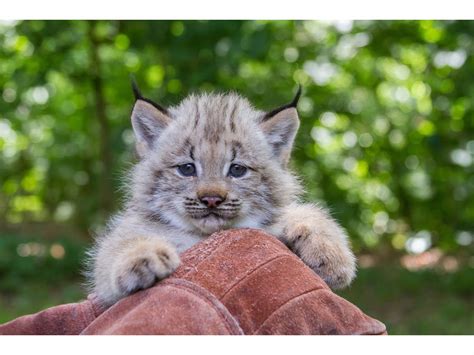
(234, 153)
(236, 148)
(225, 109)
(232, 117)
(197, 114)
(183, 148)
(237, 144)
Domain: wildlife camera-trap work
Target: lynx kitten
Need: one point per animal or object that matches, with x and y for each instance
(213, 162)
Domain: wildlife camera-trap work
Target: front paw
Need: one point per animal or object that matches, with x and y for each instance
(143, 264)
(325, 250)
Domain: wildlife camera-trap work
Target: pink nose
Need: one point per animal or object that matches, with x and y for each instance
(211, 201)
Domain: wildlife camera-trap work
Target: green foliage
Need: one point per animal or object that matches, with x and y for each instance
(25, 258)
(424, 302)
(36, 273)
(387, 116)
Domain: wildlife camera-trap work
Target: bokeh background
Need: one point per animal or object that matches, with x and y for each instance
(386, 142)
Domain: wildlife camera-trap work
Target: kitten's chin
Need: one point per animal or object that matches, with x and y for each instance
(210, 224)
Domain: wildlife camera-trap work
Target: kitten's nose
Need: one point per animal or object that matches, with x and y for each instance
(211, 201)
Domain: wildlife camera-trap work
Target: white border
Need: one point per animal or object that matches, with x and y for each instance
(220, 345)
(237, 9)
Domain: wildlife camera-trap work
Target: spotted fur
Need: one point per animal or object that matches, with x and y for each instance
(165, 213)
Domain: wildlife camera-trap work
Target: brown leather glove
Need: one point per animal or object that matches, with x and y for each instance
(235, 282)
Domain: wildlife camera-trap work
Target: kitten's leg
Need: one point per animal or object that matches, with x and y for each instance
(319, 241)
(127, 262)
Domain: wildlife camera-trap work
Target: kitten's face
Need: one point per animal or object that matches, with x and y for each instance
(212, 163)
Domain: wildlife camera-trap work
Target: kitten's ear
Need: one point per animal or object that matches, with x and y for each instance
(148, 121)
(280, 127)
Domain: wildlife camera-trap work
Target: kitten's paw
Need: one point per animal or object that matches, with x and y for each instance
(325, 250)
(143, 264)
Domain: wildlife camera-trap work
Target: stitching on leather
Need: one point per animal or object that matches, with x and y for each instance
(210, 299)
(251, 272)
(286, 303)
(88, 315)
(371, 331)
(97, 308)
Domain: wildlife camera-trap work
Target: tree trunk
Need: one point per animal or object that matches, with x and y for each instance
(105, 153)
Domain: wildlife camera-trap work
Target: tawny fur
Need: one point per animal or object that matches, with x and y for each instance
(164, 215)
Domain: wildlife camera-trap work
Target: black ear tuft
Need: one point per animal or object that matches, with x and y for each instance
(136, 91)
(293, 103)
(138, 96)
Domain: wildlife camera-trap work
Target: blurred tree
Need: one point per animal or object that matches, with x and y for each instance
(387, 116)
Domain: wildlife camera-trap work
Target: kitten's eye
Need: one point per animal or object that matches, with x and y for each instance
(237, 171)
(187, 169)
